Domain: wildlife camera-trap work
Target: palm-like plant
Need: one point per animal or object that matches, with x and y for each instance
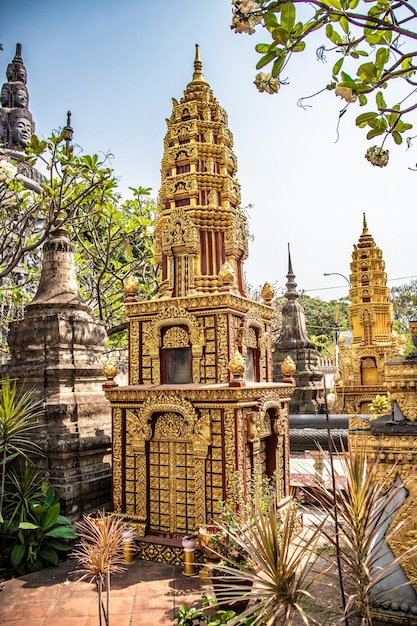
(280, 566)
(100, 553)
(362, 505)
(19, 413)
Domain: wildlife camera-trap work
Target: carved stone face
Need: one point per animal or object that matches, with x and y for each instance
(20, 97)
(4, 96)
(22, 131)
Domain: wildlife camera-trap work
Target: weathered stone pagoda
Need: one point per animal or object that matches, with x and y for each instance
(371, 319)
(57, 349)
(294, 341)
(200, 404)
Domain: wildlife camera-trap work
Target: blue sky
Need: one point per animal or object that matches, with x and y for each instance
(116, 66)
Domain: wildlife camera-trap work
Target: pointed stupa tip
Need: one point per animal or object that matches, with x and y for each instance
(365, 225)
(18, 55)
(198, 76)
(291, 285)
(289, 260)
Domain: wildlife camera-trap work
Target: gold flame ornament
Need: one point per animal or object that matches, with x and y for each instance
(237, 366)
(131, 286)
(110, 369)
(227, 274)
(288, 367)
(267, 293)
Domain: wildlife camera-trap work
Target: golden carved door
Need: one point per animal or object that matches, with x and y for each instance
(171, 477)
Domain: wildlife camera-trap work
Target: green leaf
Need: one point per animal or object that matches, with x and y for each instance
(265, 60)
(382, 57)
(288, 15)
(61, 532)
(381, 104)
(49, 555)
(262, 48)
(17, 555)
(277, 66)
(344, 24)
(363, 119)
(397, 137)
(375, 132)
(280, 35)
(367, 72)
(299, 46)
(337, 66)
(50, 516)
(56, 544)
(329, 31)
(28, 526)
(270, 20)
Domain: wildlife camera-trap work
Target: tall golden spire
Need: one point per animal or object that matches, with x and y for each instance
(200, 232)
(198, 76)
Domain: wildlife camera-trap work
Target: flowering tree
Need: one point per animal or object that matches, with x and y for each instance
(373, 42)
(112, 238)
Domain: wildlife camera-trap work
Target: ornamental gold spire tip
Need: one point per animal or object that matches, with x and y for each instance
(365, 225)
(198, 76)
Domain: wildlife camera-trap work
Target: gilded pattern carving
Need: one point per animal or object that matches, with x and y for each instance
(117, 460)
(134, 349)
(230, 447)
(172, 426)
(176, 337)
(253, 426)
(168, 403)
(222, 348)
(138, 429)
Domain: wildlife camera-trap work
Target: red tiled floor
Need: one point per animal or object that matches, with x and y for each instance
(145, 594)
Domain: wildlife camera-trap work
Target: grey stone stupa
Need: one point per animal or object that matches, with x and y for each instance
(57, 349)
(293, 340)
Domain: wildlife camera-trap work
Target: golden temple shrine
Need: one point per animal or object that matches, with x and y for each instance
(200, 404)
(371, 319)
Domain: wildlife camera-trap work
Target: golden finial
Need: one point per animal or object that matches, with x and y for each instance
(198, 76)
(237, 368)
(267, 293)
(130, 287)
(109, 371)
(288, 368)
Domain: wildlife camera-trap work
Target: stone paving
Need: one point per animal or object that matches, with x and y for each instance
(147, 593)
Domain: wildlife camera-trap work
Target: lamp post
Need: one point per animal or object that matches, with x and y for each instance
(337, 274)
(336, 349)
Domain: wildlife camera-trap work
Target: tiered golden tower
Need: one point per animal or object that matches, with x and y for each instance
(371, 319)
(200, 404)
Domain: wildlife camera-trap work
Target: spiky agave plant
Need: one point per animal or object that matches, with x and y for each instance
(100, 554)
(279, 566)
(19, 413)
(362, 503)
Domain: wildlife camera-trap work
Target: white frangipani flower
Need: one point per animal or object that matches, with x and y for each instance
(8, 171)
(265, 82)
(346, 93)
